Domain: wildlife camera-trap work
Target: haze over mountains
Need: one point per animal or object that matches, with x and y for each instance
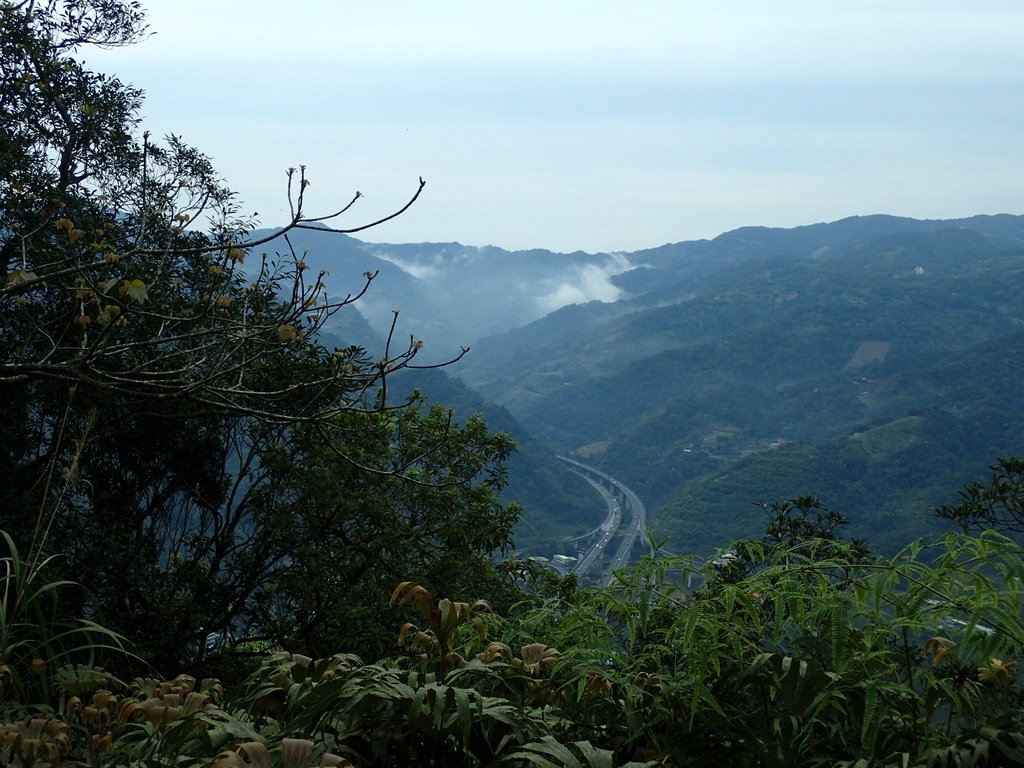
(449, 294)
(874, 361)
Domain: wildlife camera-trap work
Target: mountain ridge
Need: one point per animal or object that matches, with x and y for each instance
(764, 358)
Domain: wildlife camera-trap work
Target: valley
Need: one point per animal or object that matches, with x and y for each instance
(873, 361)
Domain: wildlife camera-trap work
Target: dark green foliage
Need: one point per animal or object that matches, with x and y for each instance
(214, 475)
(38, 639)
(997, 504)
(556, 502)
(341, 535)
(225, 486)
(815, 654)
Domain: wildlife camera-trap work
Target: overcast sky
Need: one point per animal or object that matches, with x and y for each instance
(593, 125)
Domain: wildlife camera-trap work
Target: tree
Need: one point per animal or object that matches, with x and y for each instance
(997, 504)
(804, 528)
(164, 380)
(353, 535)
(106, 282)
(296, 545)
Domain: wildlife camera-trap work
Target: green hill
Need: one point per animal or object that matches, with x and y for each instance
(803, 361)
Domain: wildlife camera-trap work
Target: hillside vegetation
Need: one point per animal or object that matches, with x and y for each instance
(245, 526)
(802, 361)
(716, 374)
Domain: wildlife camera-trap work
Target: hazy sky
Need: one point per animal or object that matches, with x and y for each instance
(595, 125)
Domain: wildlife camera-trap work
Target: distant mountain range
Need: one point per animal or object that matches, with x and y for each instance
(874, 361)
(451, 295)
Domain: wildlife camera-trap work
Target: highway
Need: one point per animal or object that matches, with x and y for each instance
(606, 532)
(637, 528)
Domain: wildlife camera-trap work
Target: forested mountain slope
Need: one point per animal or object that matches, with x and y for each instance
(555, 501)
(873, 356)
(859, 370)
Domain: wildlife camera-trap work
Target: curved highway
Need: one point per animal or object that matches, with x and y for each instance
(604, 533)
(637, 528)
(637, 524)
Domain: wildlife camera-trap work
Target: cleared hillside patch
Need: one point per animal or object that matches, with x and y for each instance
(868, 352)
